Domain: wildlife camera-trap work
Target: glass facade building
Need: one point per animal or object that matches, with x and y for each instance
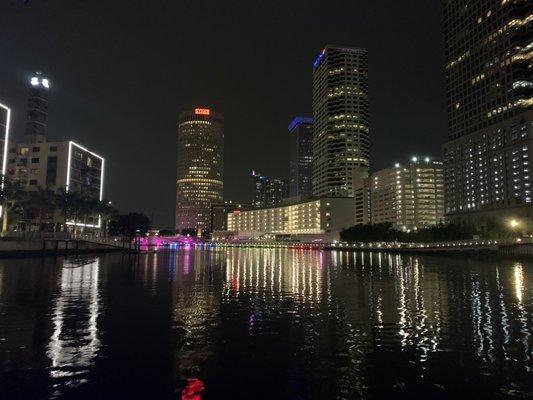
(301, 157)
(267, 192)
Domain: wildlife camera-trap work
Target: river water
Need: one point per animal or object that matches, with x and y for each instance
(265, 324)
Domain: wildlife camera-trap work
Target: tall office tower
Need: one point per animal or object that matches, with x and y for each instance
(489, 99)
(409, 196)
(341, 143)
(301, 153)
(37, 113)
(200, 168)
(267, 192)
(5, 122)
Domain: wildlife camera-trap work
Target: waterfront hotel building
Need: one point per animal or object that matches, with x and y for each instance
(315, 219)
(487, 159)
(200, 180)
(341, 140)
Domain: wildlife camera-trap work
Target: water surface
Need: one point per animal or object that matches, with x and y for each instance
(265, 324)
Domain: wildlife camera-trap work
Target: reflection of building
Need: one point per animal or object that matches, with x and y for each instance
(487, 159)
(57, 165)
(409, 196)
(37, 114)
(75, 339)
(219, 214)
(301, 156)
(267, 192)
(200, 167)
(314, 219)
(341, 143)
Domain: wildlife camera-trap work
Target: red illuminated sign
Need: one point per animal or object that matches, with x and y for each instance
(202, 111)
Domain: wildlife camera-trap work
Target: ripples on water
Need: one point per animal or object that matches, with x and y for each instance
(255, 323)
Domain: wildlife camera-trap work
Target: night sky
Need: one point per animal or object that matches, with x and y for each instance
(122, 70)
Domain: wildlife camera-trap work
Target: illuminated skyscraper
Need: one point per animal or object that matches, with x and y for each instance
(37, 113)
(341, 143)
(489, 99)
(200, 167)
(301, 156)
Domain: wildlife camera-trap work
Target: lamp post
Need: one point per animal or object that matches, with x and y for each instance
(514, 225)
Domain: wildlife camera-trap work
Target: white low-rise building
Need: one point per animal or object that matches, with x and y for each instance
(317, 219)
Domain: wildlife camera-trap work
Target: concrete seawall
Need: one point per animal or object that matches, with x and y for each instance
(32, 248)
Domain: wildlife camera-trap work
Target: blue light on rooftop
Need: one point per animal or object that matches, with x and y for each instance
(319, 58)
(300, 120)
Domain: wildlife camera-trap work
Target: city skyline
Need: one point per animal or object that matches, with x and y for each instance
(100, 105)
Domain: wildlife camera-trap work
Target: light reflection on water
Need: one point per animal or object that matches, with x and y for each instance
(265, 323)
(74, 342)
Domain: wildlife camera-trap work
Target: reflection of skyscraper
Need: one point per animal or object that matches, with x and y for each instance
(200, 167)
(37, 114)
(341, 143)
(301, 153)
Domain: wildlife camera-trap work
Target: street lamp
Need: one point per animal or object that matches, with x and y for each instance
(514, 223)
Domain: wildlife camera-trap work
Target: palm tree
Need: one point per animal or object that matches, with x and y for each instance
(11, 195)
(41, 199)
(106, 211)
(92, 205)
(68, 203)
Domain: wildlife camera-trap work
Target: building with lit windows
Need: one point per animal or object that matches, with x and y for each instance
(57, 165)
(301, 157)
(200, 179)
(37, 112)
(409, 196)
(266, 191)
(490, 110)
(341, 140)
(317, 219)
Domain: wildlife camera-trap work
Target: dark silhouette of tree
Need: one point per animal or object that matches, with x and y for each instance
(129, 224)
